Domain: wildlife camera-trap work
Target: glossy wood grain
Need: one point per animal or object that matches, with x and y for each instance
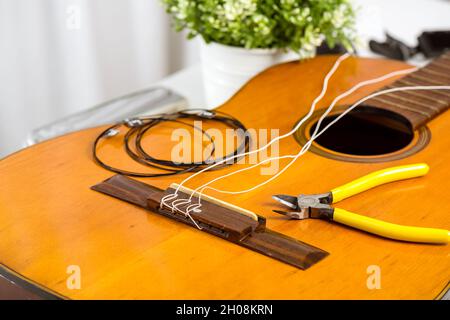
(50, 219)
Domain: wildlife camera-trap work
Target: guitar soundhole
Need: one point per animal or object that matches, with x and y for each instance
(366, 134)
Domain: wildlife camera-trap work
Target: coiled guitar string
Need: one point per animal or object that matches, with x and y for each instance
(138, 127)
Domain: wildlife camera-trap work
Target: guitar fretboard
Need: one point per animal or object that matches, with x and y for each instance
(420, 106)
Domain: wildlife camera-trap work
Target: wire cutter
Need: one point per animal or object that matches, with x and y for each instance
(319, 206)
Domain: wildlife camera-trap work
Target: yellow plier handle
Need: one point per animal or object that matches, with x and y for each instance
(391, 230)
(379, 227)
(378, 178)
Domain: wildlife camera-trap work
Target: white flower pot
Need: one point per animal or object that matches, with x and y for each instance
(226, 69)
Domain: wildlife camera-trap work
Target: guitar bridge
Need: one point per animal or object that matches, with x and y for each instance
(218, 218)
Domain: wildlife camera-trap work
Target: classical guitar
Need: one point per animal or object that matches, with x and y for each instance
(53, 225)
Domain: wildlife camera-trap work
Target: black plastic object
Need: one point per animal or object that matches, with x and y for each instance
(392, 48)
(432, 44)
(324, 48)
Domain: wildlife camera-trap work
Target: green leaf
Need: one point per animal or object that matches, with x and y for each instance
(299, 25)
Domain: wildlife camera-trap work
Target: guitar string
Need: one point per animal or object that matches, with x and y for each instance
(175, 205)
(351, 91)
(303, 150)
(316, 100)
(181, 202)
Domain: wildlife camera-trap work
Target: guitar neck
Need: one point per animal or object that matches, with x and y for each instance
(419, 106)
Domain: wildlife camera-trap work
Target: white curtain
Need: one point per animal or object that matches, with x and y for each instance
(61, 56)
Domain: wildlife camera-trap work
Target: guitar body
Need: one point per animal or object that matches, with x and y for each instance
(50, 219)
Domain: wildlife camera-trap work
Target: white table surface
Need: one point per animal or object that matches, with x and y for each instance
(187, 82)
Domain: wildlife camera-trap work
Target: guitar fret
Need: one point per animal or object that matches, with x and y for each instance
(415, 76)
(409, 83)
(426, 114)
(427, 95)
(435, 73)
(418, 103)
(445, 56)
(438, 70)
(395, 100)
(440, 65)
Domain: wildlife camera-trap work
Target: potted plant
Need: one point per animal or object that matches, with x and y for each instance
(243, 37)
